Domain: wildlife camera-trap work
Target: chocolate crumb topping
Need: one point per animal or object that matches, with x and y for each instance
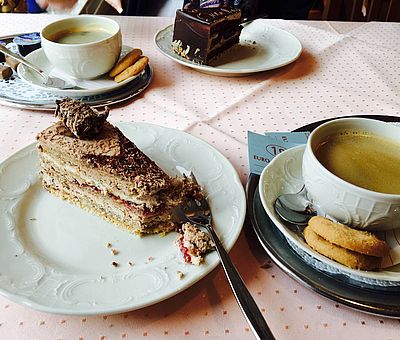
(132, 164)
(83, 121)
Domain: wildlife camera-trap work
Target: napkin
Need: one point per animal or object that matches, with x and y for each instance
(116, 4)
(263, 148)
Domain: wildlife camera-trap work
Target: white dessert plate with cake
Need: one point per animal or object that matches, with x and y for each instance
(92, 87)
(284, 175)
(261, 47)
(58, 258)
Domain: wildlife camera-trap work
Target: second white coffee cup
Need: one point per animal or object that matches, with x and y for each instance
(84, 46)
(355, 204)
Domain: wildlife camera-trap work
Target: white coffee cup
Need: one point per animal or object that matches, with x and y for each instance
(348, 203)
(93, 56)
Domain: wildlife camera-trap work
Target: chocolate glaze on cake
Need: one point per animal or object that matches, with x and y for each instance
(201, 34)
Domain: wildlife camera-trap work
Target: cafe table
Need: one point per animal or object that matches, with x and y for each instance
(345, 68)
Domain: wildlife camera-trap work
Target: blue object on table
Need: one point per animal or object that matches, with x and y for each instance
(27, 43)
(33, 7)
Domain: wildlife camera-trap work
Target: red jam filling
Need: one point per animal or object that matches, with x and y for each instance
(144, 211)
(184, 251)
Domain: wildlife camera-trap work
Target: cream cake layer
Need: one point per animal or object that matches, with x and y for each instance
(111, 177)
(108, 207)
(110, 153)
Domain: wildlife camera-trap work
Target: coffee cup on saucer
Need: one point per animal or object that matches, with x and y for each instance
(84, 46)
(351, 170)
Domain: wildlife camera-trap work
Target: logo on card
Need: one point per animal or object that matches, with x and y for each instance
(274, 149)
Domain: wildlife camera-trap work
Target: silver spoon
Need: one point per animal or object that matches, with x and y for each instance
(295, 208)
(47, 80)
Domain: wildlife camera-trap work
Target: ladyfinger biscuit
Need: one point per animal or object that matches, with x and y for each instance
(136, 68)
(360, 241)
(125, 62)
(339, 254)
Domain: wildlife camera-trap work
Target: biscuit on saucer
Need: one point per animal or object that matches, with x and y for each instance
(125, 62)
(339, 254)
(359, 241)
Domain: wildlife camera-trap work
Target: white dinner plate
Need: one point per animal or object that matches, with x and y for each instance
(97, 86)
(54, 256)
(262, 47)
(284, 175)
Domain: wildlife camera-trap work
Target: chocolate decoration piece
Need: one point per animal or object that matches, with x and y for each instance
(191, 4)
(201, 34)
(214, 3)
(83, 121)
(205, 4)
(5, 72)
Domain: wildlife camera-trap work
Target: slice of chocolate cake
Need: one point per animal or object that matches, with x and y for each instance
(201, 34)
(108, 175)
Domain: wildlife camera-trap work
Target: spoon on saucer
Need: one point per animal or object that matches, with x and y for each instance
(47, 80)
(295, 208)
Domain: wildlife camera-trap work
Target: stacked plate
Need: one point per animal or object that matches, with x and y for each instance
(376, 292)
(25, 90)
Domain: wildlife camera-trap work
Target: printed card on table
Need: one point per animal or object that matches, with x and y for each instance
(263, 148)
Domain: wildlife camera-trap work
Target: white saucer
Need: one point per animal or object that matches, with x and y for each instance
(284, 175)
(97, 86)
(262, 47)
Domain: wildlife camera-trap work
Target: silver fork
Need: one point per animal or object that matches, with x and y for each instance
(198, 213)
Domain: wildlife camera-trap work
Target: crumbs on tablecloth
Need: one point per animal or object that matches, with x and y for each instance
(115, 264)
(180, 275)
(266, 265)
(114, 251)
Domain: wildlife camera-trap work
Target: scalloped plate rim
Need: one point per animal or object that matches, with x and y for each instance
(20, 299)
(160, 35)
(27, 76)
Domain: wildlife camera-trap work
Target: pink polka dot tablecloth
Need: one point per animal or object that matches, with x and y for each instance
(344, 69)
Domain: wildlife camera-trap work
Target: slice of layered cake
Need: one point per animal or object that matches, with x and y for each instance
(89, 162)
(201, 34)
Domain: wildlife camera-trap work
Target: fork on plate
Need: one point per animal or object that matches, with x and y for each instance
(198, 213)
